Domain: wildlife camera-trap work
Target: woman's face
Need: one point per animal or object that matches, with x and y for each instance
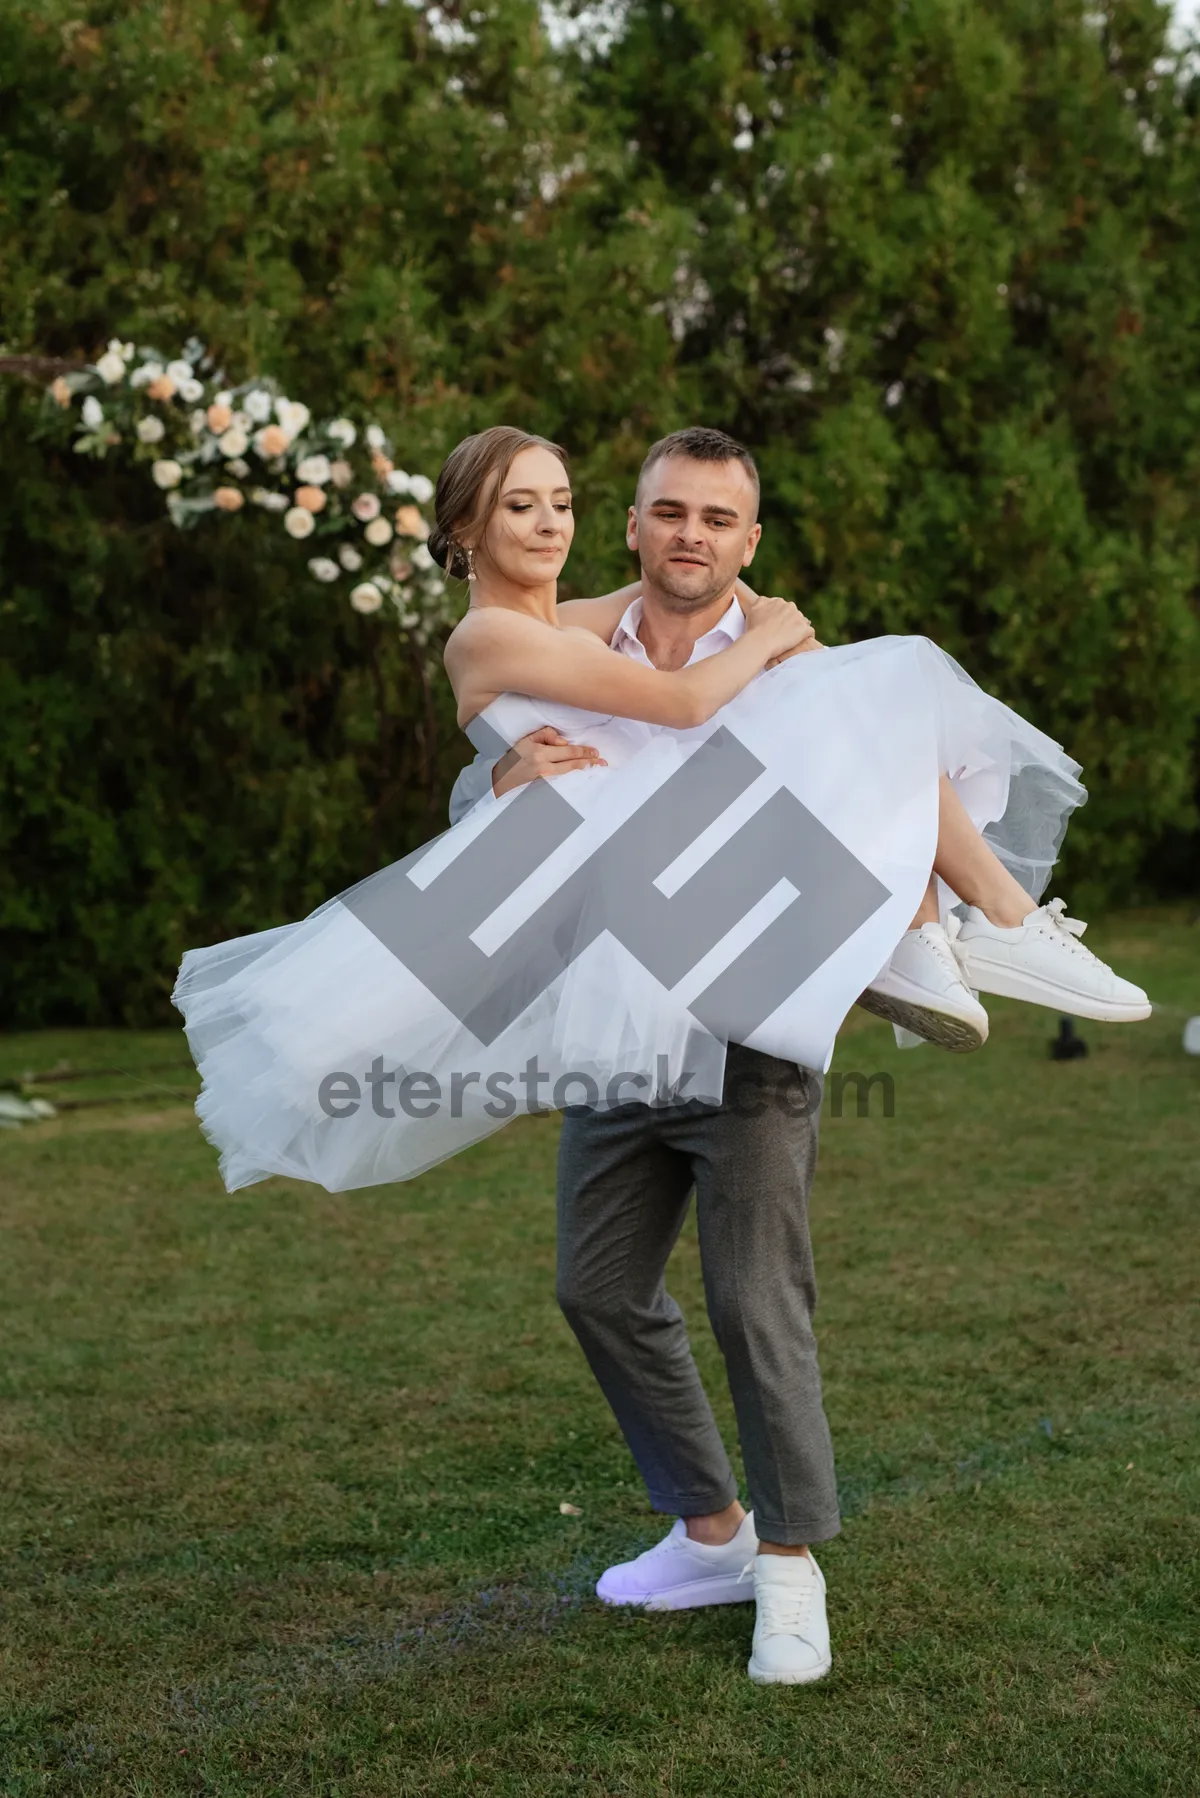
(529, 533)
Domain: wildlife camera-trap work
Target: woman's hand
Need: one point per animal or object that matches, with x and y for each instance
(542, 753)
(780, 626)
(746, 597)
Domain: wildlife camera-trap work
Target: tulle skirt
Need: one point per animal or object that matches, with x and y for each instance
(598, 939)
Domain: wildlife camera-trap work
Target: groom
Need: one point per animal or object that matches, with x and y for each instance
(625, 1179)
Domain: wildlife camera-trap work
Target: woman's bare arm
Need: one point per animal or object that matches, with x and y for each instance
(496, 651)
(601, 615)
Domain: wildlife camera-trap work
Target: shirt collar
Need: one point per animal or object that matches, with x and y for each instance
(731, 624)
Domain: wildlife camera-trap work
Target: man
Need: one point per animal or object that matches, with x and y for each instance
(625, 1176)
(625, 1180)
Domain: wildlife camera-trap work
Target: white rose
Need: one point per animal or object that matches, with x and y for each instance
(117, 348)
(365, 507)
(366, 597)
(421, 557)
(398, 482)
(151, 430)
(93, 412)
(270, 502)
(258, 404)
(322, 569)
(375, 437)
(378, 532)
(314, 469)
(224, 398)
(421, 488)
(166, 474)
(191, 390)
(142, 377)
(292, 416)
(111, 368)
(342, 432)
(349, 558)
(239, 469)
(298, 523)
(179, 371)
(233, 442)
(198, 423)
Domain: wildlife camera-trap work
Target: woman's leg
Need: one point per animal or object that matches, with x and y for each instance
(927, 911)
(971, 869)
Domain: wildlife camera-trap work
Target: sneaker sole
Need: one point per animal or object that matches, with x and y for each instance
(1007, 985)
(725, 1589)
(762, 1677)
(938, 1027)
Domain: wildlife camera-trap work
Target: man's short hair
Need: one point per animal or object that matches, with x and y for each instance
(701, 444)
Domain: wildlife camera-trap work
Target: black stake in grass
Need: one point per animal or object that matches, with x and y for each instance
(1066, 1046)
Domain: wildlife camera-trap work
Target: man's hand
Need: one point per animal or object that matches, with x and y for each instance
(542, 753)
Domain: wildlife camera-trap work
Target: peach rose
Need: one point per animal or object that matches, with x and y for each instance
(313, 499)
(61, 392)
(382, 466)
(219, 418)
(228, 499)
(161, 388)
(341, 473)
(271, 441)
(410, 523)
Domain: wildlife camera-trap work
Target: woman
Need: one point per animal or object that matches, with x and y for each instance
(278, 1021)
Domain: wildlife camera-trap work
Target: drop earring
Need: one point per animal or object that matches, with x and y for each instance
(470, 563)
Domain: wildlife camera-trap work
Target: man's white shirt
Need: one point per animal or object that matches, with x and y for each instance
(727, 630)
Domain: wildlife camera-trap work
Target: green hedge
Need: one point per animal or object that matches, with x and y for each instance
(937, 263)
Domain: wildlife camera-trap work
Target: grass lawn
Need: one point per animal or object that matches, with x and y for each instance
(282, 1471)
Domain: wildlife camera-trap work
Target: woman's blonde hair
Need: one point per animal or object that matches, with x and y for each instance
(469, 488)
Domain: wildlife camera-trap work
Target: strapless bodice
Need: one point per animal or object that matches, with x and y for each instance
(514, 715)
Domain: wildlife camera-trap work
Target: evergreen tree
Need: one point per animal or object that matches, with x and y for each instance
(940, 279)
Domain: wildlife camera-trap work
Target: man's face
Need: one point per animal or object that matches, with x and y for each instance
(693, 527)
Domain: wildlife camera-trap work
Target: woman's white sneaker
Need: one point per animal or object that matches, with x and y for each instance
(1043, 962)
(922, 989)
(678, 1574)
(791, 1630)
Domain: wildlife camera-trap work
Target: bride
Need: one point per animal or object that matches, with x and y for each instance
(885, 763)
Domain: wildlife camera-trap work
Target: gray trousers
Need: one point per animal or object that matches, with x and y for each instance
(624, 1184)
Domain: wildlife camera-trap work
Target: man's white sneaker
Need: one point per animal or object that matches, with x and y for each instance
(791, 1631)
(922, 989)
(678, 1574)
(1043, 962)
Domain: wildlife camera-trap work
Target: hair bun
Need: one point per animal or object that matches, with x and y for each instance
(448, 554)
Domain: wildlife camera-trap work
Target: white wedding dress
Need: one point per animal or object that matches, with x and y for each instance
(598, 938)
